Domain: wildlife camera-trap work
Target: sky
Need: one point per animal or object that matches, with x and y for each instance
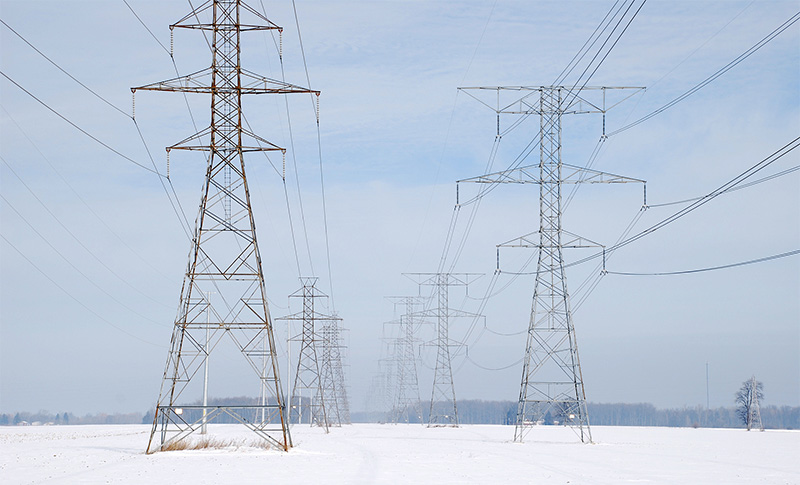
(93, 251)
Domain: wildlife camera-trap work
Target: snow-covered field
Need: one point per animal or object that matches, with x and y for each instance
(372, 453)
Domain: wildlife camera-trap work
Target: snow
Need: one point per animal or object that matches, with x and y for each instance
(374, 453)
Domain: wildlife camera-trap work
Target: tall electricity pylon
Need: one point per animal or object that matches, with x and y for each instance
(406, 402)
(339, 348)
(224, 259)
(753, 407)
(552, 381)
(333, 382)
(309, 387)
(443, 409)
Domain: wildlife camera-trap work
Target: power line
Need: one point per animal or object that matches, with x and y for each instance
(319, 151)
(147, 28)
(712, 268)
(578, 56)
(296, 173)
(73, 297)
(120, 239)
(630, 20)
(726, 187)
(72, 265)
(493, 369)
(444, 146)
(147, 149)
(573, 91)
(184, 219)
(64, 71)
(714, 76)
(79, 128)
(63, 226)
(529, 149)
(738, 187)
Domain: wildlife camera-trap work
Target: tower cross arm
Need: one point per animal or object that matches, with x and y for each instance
(531, 174)
(200, 82)
(192, 20)
(534, 240)
(250, 143)
(525, 99)
(451, 279)
(318, 317)
(451, 313)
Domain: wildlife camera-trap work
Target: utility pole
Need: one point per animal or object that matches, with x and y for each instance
(552, 380)
(224, 254)
(443, 407)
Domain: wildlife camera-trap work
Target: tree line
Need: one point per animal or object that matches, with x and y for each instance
(491, 412)
(47, 418)
(615, 414)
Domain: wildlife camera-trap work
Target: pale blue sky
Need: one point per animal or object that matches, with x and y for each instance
(395, 137)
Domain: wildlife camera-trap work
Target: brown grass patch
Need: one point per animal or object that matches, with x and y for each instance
(213, 444)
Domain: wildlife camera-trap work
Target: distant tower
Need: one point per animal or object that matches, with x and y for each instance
(308, 390)
(753, 407)
(337, 362)
(443, 409)
(551, 376)
(406, 403)
(224, 259)
(333, 381)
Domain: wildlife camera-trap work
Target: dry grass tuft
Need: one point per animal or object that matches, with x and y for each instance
(213, 444)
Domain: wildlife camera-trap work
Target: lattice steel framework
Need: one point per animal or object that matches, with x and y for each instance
(333, 381)
(308, 390)
(406, 401)
(552, 381)
(443, 408)
(224, 259)
(753, 420)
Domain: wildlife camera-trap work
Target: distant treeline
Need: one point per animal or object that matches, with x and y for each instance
(43, 418)
(615, 414)
(481, 412)
(46, 418)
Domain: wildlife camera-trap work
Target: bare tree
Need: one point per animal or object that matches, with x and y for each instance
(747, 403)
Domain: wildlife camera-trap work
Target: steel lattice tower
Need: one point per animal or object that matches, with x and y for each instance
(753, 407)
(333, 382)
(406, 401)
(337, 363)
(224, 259)
(443, 409)
(309, 377)
(552, 381)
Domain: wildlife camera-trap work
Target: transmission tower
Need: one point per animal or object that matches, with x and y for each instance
(224, 258)
(309, 389)
(387, 372)
(551, 375)
(333, 382)
(342, 399)
(406, 401)
(753, 407)
(443, 409)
